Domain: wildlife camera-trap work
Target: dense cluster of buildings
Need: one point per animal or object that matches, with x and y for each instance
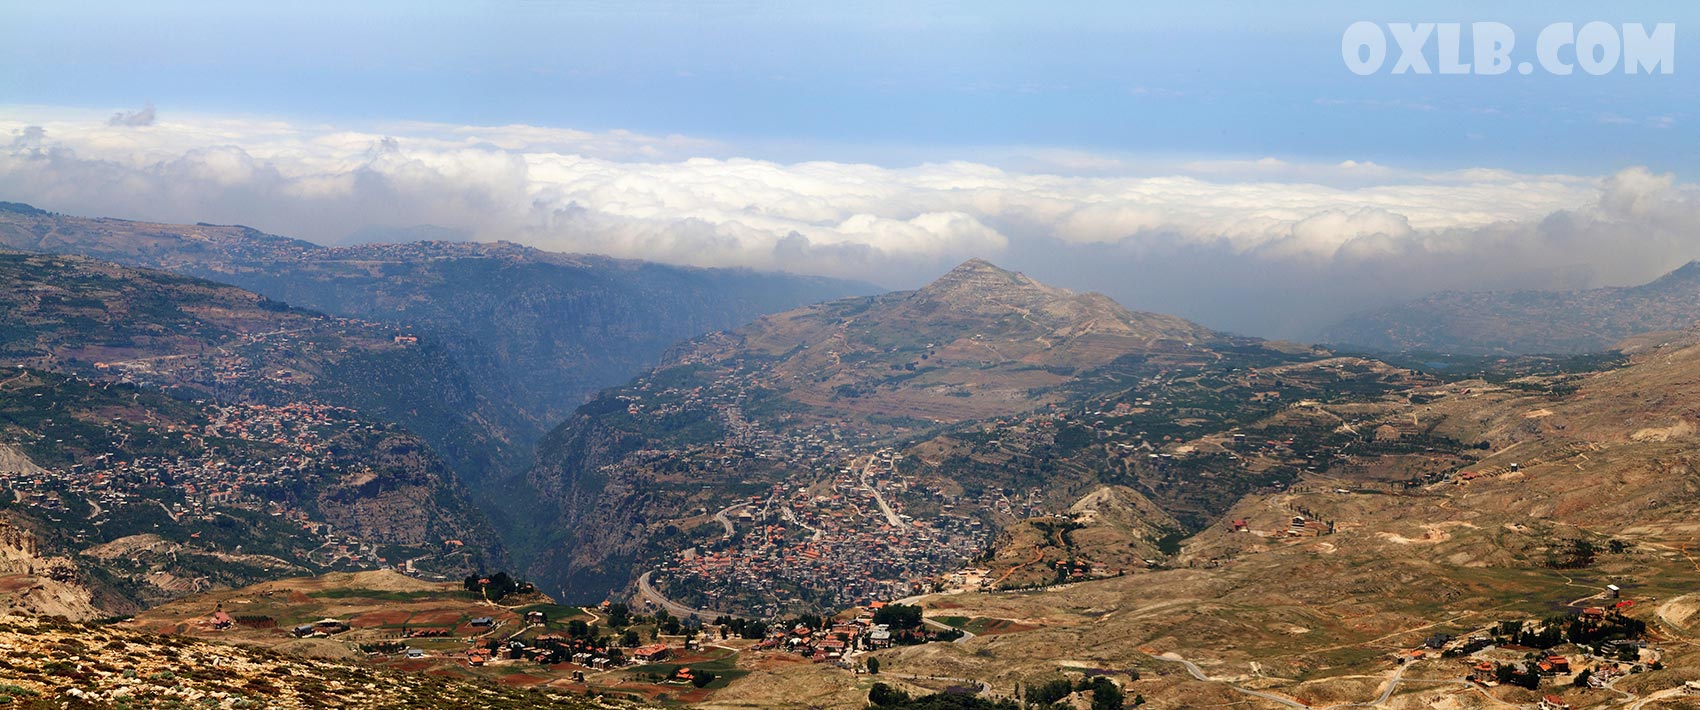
(243, 456)
(832, 642)
(824, 540)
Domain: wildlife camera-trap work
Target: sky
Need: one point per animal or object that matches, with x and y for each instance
(1210, 159)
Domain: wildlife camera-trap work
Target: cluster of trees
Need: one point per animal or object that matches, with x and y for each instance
(1615, 626)
(1508, 674)
(885, 696)
(1571, 629)
(1543, 636)
(497, 587)
(748, 629)
(905, 623)
(1106, 695)
(619, 616)
(1576, 553)
(902, 617)
(578, 629)
(668, 624)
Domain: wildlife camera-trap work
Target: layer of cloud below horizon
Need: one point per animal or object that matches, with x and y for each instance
(1266, 247)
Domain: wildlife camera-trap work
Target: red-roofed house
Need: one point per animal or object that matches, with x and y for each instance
(652, 653)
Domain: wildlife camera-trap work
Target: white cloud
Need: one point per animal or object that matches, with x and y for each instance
(685, 200)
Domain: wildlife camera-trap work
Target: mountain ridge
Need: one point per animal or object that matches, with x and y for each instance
(1527, 322)
(249, 433)
(535, 332)
(834, 378)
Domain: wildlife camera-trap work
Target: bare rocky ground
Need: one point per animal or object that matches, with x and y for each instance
(1321, 621)
(56, 664)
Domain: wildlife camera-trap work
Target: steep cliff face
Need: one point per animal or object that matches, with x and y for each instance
(39, 584)
(589, 516)
(509, 339)
(714, 420)
(255, 437)
(548, 329)
(539, 332)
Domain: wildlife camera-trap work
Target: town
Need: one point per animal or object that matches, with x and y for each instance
(825, 542)
(183, 475)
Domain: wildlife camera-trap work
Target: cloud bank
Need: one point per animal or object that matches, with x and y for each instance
(1263, 246)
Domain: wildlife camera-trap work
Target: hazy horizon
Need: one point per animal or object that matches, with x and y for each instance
(1215, 161)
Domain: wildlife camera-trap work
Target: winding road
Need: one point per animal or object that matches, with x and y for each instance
(966, 634)
(791, 517)
(1392, 685)
(648, 592)
(726, 522)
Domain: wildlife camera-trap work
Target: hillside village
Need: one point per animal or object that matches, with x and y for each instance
(824, 543)
(776, 540)
(195, 462)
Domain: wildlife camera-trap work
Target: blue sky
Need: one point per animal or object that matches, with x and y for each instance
(1210, 159)
(889, 82)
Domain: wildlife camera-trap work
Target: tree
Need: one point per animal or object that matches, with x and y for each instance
(1049, 692)
(899, 616)
(1106, 695)
(578, 629)
(629, 639)
(882, 695)
(701, 678)
(874, 666)
(619, 615)
(753, 630)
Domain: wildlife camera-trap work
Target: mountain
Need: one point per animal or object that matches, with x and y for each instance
(165, 434)
(537, 331)
(1300, 526)
(521, 336)
(1523, 322)
(1342, 589)
(973, 402)
(201, 338)
(978, 342)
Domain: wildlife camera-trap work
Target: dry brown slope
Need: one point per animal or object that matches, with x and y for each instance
(978, 342)
(1312, 617)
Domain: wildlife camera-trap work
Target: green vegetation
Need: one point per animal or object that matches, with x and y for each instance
(899, 616)
(885, 696)
(496, 587)
(718, 672)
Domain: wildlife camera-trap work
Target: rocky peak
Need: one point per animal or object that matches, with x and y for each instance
(978, 279)
(1685, 276)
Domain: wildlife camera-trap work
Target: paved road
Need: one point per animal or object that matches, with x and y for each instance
(1198, 673)
(726, 522)
(966, 634)
(1386, 693)
(890, 515)
(791, 517)
(649, 592)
